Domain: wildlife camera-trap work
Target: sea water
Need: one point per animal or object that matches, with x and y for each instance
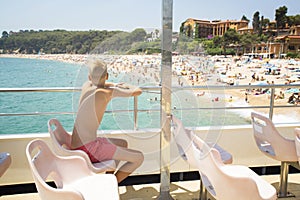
(38, 73)
(34, 73)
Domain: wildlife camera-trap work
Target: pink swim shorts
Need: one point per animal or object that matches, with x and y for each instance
(99, 150)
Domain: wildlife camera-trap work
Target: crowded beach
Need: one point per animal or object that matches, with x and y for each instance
(144, 70)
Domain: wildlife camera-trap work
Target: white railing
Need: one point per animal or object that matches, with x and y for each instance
(157, 89)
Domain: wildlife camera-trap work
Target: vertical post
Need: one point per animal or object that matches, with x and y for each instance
(166, 85)
(272, 103)
(135, 113)
(284, 171)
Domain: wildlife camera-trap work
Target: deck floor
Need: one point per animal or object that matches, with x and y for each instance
(184, 190)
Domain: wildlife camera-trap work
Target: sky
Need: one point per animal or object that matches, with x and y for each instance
(127, 15)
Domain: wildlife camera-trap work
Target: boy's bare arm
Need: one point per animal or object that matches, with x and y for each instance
(126, 90)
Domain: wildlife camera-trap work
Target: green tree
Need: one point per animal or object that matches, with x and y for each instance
(247, 41)
(5, 34)
(189, 31)
(197, 31)
(261, 26)
(256, 22)
(244, 18)
(293, 20)
(265, 22)
(186, 44)
(57, 41)
(181, 29)
(138, 35)
(280, 17)
(230, 38)
(218, 41)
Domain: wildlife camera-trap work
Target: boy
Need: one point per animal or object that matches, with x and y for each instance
(95, 96)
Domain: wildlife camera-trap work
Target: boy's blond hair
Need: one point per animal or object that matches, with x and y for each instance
(97, 71)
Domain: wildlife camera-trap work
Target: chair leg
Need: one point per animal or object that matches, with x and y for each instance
(284, 172)
(203, 192)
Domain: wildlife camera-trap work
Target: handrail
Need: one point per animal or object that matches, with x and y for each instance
(149, 89)
(45, 89)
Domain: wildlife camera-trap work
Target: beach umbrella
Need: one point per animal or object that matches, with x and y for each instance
(295, 83)
(273, 67)
(292, 62)
(260, 83)
(292, 90)
(293, 78)
(230, 74)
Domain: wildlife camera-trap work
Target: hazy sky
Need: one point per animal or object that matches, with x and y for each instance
(127, 15)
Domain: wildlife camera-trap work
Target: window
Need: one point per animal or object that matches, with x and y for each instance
(290, 47)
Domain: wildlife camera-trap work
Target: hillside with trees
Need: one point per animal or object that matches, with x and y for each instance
(73, 42)
(120, 42)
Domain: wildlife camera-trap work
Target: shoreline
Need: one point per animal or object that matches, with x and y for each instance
(68, 58)
(221, 64)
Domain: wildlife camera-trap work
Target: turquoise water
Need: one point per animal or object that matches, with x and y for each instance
(27, 73)
(30, 73)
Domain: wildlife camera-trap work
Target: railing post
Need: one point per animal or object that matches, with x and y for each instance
(135, 115)
(272, 103)
(166, 86)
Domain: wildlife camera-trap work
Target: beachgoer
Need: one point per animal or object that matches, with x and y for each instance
(253, 77)
(95, 96)
(292, 99)
(246, 97)
(297, 101)
(280, 95)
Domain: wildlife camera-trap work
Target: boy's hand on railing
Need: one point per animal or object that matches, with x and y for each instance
(122, 86)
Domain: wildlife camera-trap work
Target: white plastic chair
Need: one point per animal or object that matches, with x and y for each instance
(5, 161)
(73, 179)
(184, 141)
(61, 140)
(229, 181)
(223, 181)
(274, 145)
(297, 142)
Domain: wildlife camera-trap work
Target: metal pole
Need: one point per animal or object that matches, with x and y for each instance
(284, 171)
(135, 114)
(272, 103)
(166, 85)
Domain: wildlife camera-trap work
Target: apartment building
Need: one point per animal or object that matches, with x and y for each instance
(206, 29)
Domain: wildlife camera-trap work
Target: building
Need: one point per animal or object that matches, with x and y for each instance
(287, 42)
(207, 29)
(281, 41)
(153, 35)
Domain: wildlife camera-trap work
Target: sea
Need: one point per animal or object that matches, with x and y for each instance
(40, 73)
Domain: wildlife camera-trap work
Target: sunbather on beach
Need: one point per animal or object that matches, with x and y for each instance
(95, 96)
(292, 99)
(280, 95)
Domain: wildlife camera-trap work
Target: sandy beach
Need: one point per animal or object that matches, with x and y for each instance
(217, 70)
(266, 72)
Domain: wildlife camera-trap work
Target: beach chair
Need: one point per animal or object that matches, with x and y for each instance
(61, 140)
(270, 142)
(5, 161)
(183, 142)
(297, 142)
(72, 177)
(222, 181)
